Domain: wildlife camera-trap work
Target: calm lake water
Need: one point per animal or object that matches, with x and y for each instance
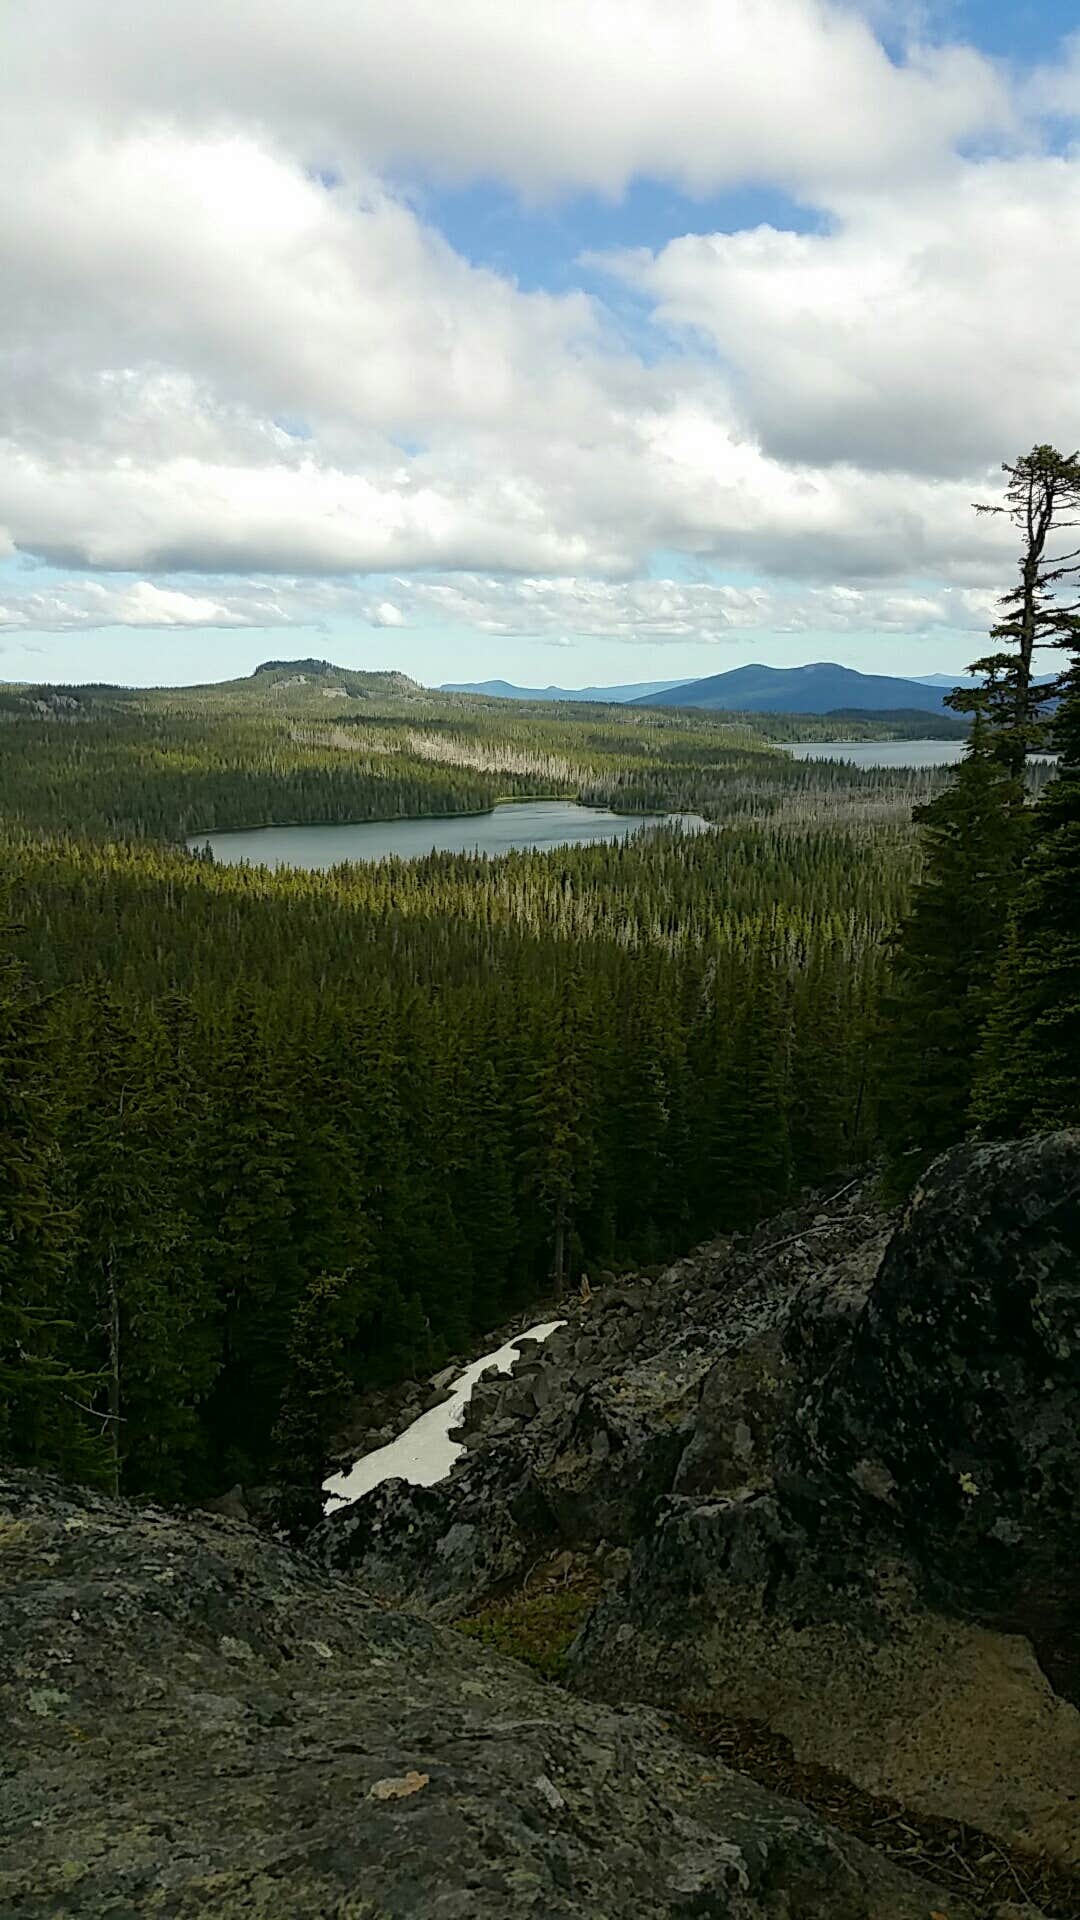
(882, 753)
(527, 823)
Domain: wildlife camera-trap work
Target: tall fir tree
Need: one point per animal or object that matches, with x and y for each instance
(1042, 498)
(324, 1369)
(558, 1160)
(45, 1385)
(146, 1309)
(1029, 1073)
(484, 1194)
(948, 950)
(252, 1258)
(754, 1118)
(946, 955)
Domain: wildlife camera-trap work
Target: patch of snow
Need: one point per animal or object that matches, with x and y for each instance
(425, 1453)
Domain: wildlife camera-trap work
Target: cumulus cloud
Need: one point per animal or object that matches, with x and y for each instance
(220, 259)
(907, 336)
(314, 517)
(1056, 89)
(235, 345)
(681, 482)
(77, 604)
(544, 607)
(574, 93)
(658, 611)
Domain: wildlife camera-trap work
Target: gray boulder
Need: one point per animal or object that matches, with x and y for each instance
(877, 1556)
(950, 1421)
(198, 1722)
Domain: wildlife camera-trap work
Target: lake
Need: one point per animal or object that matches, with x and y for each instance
(881, 753)
(523, 824)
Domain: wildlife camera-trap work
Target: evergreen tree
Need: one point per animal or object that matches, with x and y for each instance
(484, 1194)
(251, 1254)
(753, 1122)
(442, 1081)
(558, 1161)
(1029, 1074)
(946, 956)
(146, 1311)
(1042, 495)
(322, 1375)
(44, 1389)
(949, 947)
(828, 1061)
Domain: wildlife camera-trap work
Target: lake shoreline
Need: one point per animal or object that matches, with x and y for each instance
(392, 819)
(518, 824)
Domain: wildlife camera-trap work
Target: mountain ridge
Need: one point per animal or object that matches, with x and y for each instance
(821, 686)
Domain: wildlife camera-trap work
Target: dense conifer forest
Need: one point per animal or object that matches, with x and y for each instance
(268, 1137)
(278, 1135)
(163, 767)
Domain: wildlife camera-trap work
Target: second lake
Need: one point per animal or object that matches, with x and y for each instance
(517, 825)
(882, 753)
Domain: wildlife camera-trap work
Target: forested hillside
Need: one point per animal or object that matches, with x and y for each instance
(279, 1135)
(167, 765)
(272, 1136)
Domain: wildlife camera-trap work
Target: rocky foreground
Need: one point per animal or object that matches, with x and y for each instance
(832, 1478)
(826, 1485)
(198, 1722)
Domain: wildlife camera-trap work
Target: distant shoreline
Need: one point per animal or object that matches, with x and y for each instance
(470, 813)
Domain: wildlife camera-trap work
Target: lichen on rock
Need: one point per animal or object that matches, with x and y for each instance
(354, 1761)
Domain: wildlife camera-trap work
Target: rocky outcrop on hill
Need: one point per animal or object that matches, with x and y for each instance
(896, 1590)
(576, 1446)
(843, 1460)
(950, 1420)
(828, 1477)
(198, 1722)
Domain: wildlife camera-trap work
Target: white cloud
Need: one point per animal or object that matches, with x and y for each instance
(77, 604)
(928, 331)
(1056, 89)
(659, 611)
(547, 607)
(573, 93)
(310, 517)
(679, 480)
(218, 364)
(219, 260)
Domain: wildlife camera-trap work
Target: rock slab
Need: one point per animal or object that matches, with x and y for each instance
(200, 1722)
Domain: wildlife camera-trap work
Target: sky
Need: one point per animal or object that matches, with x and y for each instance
(600, 341)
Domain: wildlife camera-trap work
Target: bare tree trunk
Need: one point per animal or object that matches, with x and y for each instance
(1040, 514)
(859, 1097)
(560, 1246)
(112, 1311)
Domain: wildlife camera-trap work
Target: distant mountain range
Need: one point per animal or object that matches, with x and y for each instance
(504, 690)
(821, 687)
